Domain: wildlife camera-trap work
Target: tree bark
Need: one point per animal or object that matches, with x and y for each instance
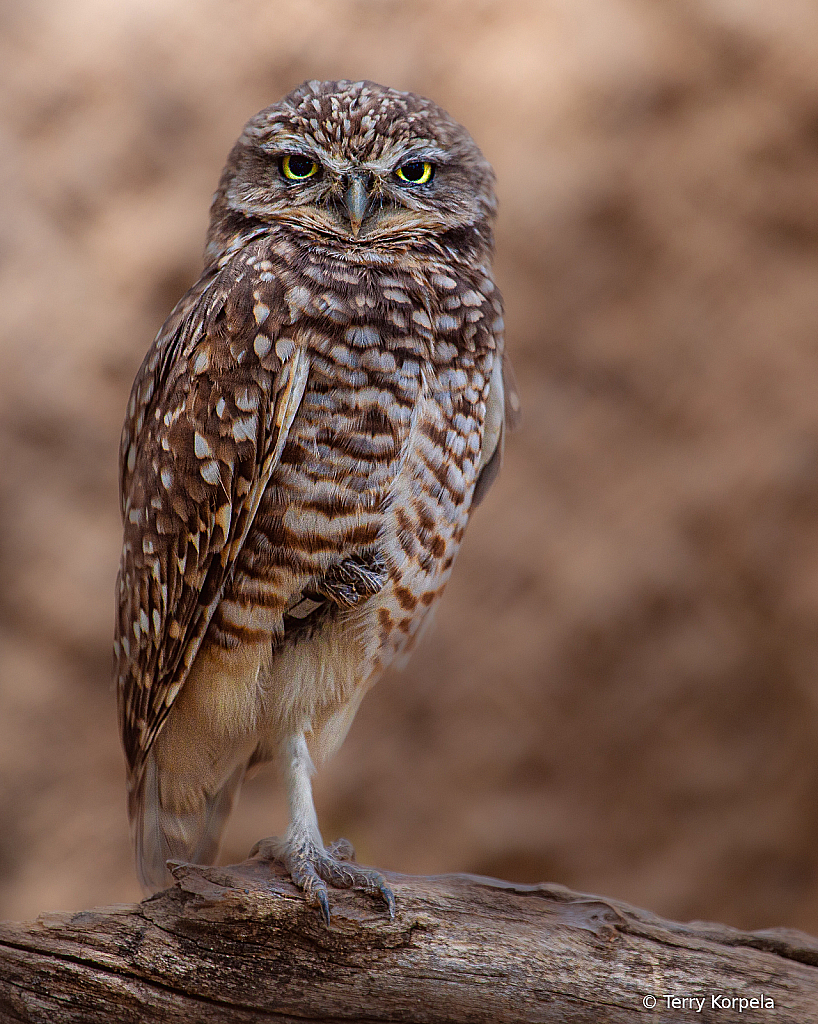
(239, 944)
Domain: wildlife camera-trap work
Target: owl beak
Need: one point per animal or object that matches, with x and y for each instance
(356, 201)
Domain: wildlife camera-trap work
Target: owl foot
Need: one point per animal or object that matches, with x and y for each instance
(349, 582)
(312, 868)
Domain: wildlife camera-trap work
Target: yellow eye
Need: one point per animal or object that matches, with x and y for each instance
(416, 172)
(298, 168)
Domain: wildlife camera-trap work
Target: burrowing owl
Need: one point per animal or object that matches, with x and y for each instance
(304, 443)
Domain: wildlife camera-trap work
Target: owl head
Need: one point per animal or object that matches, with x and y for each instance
(354, 165)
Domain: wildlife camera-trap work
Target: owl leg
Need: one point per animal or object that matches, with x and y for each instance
(302, 850)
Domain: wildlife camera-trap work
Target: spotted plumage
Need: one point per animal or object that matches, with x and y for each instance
(304, 443)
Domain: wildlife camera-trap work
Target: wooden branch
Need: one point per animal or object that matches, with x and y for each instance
(239, 944)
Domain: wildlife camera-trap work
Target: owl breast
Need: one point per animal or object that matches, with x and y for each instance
(379, 465)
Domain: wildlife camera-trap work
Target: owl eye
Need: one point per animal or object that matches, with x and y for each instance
(416, 172)
(298, 168)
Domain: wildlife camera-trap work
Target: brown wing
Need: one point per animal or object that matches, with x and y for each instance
(503, 412)
(208, 417)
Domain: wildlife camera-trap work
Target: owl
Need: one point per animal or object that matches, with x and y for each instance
(304, 443)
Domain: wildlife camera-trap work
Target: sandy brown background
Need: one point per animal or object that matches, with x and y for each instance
(621, 689)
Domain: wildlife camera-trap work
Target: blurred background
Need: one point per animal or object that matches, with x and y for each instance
(620, 692)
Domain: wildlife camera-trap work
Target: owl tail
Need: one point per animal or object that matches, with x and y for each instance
(160, 835)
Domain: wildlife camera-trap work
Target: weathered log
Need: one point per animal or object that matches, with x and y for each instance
(239, 944)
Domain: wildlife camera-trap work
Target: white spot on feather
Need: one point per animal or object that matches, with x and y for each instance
(262, 345)
(445, 323)
(210, 471)
(244, 430)
(201, 361)
(247, 400)
(285, 348)
(201, 446)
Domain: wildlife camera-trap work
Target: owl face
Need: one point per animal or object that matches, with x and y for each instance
(357, 164)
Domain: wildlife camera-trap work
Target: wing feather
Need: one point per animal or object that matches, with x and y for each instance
(191, 481)
(503, 412)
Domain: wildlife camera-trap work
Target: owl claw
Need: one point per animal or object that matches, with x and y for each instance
(388, 898)
(323, 900)
(313, 868)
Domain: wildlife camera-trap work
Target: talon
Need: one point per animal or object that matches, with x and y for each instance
(323, 901)
(388, 898)
(312, 868)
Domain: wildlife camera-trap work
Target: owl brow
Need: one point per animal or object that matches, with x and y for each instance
(302, 150)
(290, 146)
(415, 152)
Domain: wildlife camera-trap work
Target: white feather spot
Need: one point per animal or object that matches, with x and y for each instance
(201, 446)
(445, 323)
(246, 400)
(201, 361)
(166, 476)
(261, 311)
(284, 349)
(341, 354)
(210, 471)
(373, 359)
(244, 430)
(220, 407)
(262, 345)
(298, 299)
(456, 443)
(362, 337)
